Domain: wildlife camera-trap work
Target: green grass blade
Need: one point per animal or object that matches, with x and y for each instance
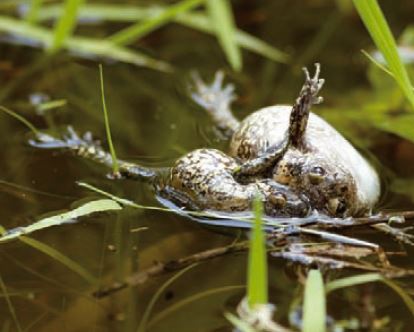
(81, 46)
(107, 126)
(63, 218)
(376, 24)
(140, 29)
(10, 304)
(20, 118)
(352, 281)
(257, 266)
(33, 13)
(144, 320)
(314, 306)
(64, 260)
(196, 21)
(65, 26)
(221, 17)
(371, 277)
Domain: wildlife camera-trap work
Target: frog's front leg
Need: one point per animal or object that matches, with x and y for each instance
(88, 148)
(263, 163)
(216, 99)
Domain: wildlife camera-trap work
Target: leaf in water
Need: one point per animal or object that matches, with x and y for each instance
(64, 218)
(314, 306)
(257, 267)
(71, 264)
(221, 17)
(10, 304)
(66, 24)
(144, 320)
(371, 277)
(26, 33)
(153, 22)
(99, 12)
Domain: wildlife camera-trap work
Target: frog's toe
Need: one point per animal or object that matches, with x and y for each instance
(218, 81)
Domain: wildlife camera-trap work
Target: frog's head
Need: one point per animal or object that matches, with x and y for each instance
(329, 188)
(280, 201)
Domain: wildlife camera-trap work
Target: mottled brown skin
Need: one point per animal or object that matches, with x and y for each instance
(265, 150)
(206, 176)
(200, 180)
(290, 172)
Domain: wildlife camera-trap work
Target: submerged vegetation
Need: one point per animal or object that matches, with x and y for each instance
(175, 275)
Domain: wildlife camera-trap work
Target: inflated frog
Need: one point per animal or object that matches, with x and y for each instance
(295, 147)
(275, 153)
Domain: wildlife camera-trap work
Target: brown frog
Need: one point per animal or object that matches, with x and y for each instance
(295, 147)
(290, 157)
(200, 180)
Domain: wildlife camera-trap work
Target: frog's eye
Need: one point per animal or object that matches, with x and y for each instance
(278, 199)
(316, 175)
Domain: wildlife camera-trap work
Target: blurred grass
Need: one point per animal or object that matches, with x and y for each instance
(372, 277)
(314, 306)
(97, 13)
(257, 287)
(221, 18)
(152, 22)
(66, 24)
(61, 258)
(80, 46)
(376, 24)
(33, 13)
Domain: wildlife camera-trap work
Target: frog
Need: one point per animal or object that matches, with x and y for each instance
(294, 147)
(200, 180)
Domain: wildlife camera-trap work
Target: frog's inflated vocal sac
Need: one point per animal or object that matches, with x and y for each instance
(292, 158)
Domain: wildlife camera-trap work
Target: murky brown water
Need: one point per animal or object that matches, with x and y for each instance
(154, 122)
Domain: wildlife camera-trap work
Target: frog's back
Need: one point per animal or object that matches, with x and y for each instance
(268, 126)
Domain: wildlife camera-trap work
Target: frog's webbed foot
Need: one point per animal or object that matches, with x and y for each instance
(70, 140)
(216, 99)
(308, 96)
(312, 85)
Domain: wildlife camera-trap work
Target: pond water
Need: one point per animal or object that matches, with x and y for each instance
(154, 122)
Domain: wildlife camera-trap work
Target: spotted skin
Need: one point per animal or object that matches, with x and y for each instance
(296, 148)
(200, 180)
(205, 175)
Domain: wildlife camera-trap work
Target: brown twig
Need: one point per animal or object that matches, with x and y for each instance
(170, 266)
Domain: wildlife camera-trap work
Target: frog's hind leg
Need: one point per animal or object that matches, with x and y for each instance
(297, 126)
(216, 99)
(299, 115)
(88, 148)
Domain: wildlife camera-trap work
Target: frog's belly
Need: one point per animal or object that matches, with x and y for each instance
(268, 127)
